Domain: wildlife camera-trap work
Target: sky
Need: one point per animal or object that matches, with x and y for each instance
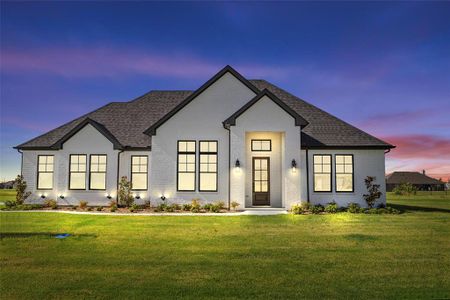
(381, 66)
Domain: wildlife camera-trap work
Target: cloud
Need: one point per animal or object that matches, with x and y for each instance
(419, 146)
(90, 62)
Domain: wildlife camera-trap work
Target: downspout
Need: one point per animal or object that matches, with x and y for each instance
(117, 181)
(307, 176)
(21, 161)
(229, 167)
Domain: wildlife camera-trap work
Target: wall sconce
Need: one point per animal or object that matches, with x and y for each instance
(43, 196)
(108, 196)
(237, 164)
(61, 196)
(294, 165)
(163, 198)
(137, 196)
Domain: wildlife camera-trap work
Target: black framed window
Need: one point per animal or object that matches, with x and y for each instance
(186, 166)
(77, 172)
(208, 166)
(45, 172)
(322, 173)
(344, 172)
(139, 172)
(261, 145)
(97, 172)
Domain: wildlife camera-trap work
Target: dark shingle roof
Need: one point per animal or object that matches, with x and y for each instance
(127, 121)
(410, 177)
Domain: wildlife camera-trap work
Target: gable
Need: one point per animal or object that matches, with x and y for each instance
(85, 138)
(227, 86)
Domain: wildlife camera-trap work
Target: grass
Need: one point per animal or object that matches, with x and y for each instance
(7, 195)
(302, 256)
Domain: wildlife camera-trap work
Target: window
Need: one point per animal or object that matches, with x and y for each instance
(208, 166)
(261, 145)
(139, 165)
(45, 172)
(344, 173)
(97, 172)
(322, 173)
(77, 173)
(186, 166)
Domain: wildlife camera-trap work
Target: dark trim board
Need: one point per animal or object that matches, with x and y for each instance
(217, 165)
(228, 69)
(70, 172)
(353, 174)
(195, 164)
(106, 172)
(146, 174)
(299, 120)
(261, 140)
(331, 174)
(37, 173)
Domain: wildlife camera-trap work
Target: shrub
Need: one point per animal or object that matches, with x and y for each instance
(391, 210)
(161, 207)
(147, 204)
(405, 189)
(112, 203)
(125, 196)
(83, 204)
(207, 206)
(195, 206)
(373, 191)
(381, 205)
(134, 207)
(10, 204)
(234, 205)
(100, 208)
(89, 208)
(113, 208)
(51, 203)
(296, 209)
(169, 208)
(220, 204)
(74, 207)
(317, 209)
(331, 208)
(217, 207)
(176, 206)
(21, 186)
(186, 207)
(354, 208)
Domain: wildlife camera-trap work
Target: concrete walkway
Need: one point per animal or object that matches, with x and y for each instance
(227, 214)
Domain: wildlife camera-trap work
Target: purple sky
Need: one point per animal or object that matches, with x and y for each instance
(384, 67)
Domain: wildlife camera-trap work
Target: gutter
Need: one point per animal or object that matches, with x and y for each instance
(229, 166)
(307, 175)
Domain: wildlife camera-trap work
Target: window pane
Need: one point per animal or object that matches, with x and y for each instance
(348, 169)
(348, 159)
(82, 168)
(203, 167)
(322, 182)
(212, 168)
(186, 181)
(326, 169)
(102, 159)
(213, 147)
(135, 168)
(190, 167)
(317, 159)
(94, 159)
(265, 145)
(182, 146)
(82, 159)
(264, 186)
(339, 168)
(204, 147)
(339, 159)
(190, 158)
(208, 181)
(317, 168)
(102, 168)
(344, 182)
(139, 181)
(257, 186)
(45, 181)
(98, 181)
(78, 181)
(182, 158)
(190, 147)
(326, 159)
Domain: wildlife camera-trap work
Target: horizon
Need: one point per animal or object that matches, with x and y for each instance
(382, 67)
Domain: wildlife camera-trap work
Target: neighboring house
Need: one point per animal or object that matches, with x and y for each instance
(420, 180)
(232, 139)
(7, 185)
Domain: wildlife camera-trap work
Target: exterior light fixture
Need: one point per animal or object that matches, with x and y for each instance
(61, 196)
(294, 165)
(43, 196)
(237, 164)
(163, 198)
(108, 196)
(137, 196)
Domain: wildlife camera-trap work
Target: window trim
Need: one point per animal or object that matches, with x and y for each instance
(106, 171)
(353, 173)
(261, 140)
(37, 173)
(85, 172)
(217, 166)
(331, 174)
(195, 164)
(131, 172)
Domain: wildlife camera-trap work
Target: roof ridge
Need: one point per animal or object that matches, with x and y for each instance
(157, 91)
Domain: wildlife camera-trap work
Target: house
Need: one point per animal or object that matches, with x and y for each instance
(420, 180)
(232, 139)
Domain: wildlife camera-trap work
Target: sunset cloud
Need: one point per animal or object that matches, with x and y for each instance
(419, 146)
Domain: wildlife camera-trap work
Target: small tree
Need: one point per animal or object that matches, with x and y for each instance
(373, 189)
(125, 196)
(21, 186)
(234, 205)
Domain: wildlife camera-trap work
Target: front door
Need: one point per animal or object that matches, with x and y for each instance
(261, 180)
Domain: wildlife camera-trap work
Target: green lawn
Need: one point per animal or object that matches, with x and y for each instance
(7, 195)
(302, 256)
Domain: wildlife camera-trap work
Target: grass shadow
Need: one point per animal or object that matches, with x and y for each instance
(4, 235)
(412, 208)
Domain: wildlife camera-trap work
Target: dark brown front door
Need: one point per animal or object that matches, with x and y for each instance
(261, 181)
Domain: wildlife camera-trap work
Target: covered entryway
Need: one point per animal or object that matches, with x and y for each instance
(261, 181)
